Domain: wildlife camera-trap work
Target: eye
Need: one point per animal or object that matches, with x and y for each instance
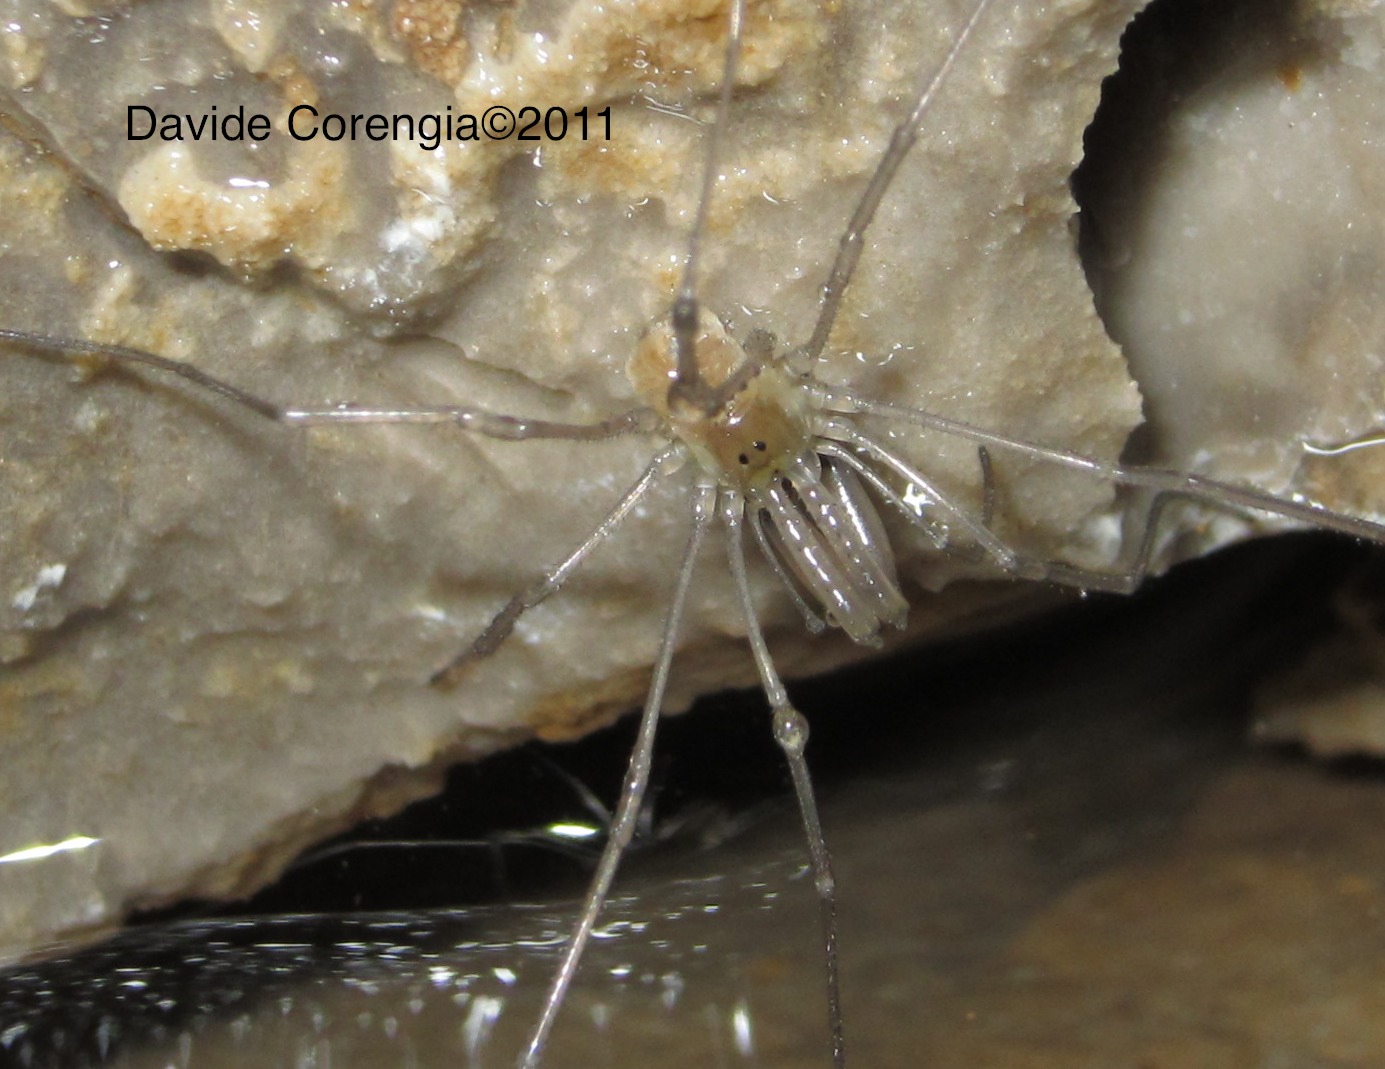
(743, 459)
(760, 447)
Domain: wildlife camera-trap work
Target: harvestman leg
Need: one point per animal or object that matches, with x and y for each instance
(494, 844)
(1166, 485)
(499, 426)
(633, 790)
(983, 457)
(1016, 565)
(503, 623)
(688, 387)
(854, 237)
(1336, 449)
(791, 733)
(480, 421)
(488, 424)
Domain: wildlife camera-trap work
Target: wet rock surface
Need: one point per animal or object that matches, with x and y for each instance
(220, 631)
(216, 632)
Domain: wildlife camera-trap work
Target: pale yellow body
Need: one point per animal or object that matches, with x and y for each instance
(760, 430)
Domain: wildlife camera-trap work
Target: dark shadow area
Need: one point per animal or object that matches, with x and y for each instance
(1196, 638)
(1093, 730)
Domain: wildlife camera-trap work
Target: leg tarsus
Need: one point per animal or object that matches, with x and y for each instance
(128, 357)
(1124, 581)
(1369, 440)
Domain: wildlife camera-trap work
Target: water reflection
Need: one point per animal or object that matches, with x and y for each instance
(424, 988)
(1054, 851)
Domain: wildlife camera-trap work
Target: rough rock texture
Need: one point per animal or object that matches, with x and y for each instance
(215, 632)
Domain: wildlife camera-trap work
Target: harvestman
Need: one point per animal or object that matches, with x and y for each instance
(776, 452)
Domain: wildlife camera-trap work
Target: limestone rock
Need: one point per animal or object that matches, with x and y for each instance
(1238, 248)
(1239, 258)
(216, 632)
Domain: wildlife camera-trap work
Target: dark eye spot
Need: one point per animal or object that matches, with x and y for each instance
(743, 459)
(759, 446)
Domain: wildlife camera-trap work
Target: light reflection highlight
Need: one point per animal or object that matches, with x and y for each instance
(46, 850)
(573, 831)
(740, 1028)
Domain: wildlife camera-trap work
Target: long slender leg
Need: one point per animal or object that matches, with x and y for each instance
(121, 354)
(853, 239)
(1123, 581)
(791, 733)
(976, 554)
(1161, 480)
(839, 430)
(489, 424)
(501, 626)
(1336, 449)
(885, 490)
(1167, 486)
(687, 386)
(632, 794)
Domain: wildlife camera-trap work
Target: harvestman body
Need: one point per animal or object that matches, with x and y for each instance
(771, 450)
